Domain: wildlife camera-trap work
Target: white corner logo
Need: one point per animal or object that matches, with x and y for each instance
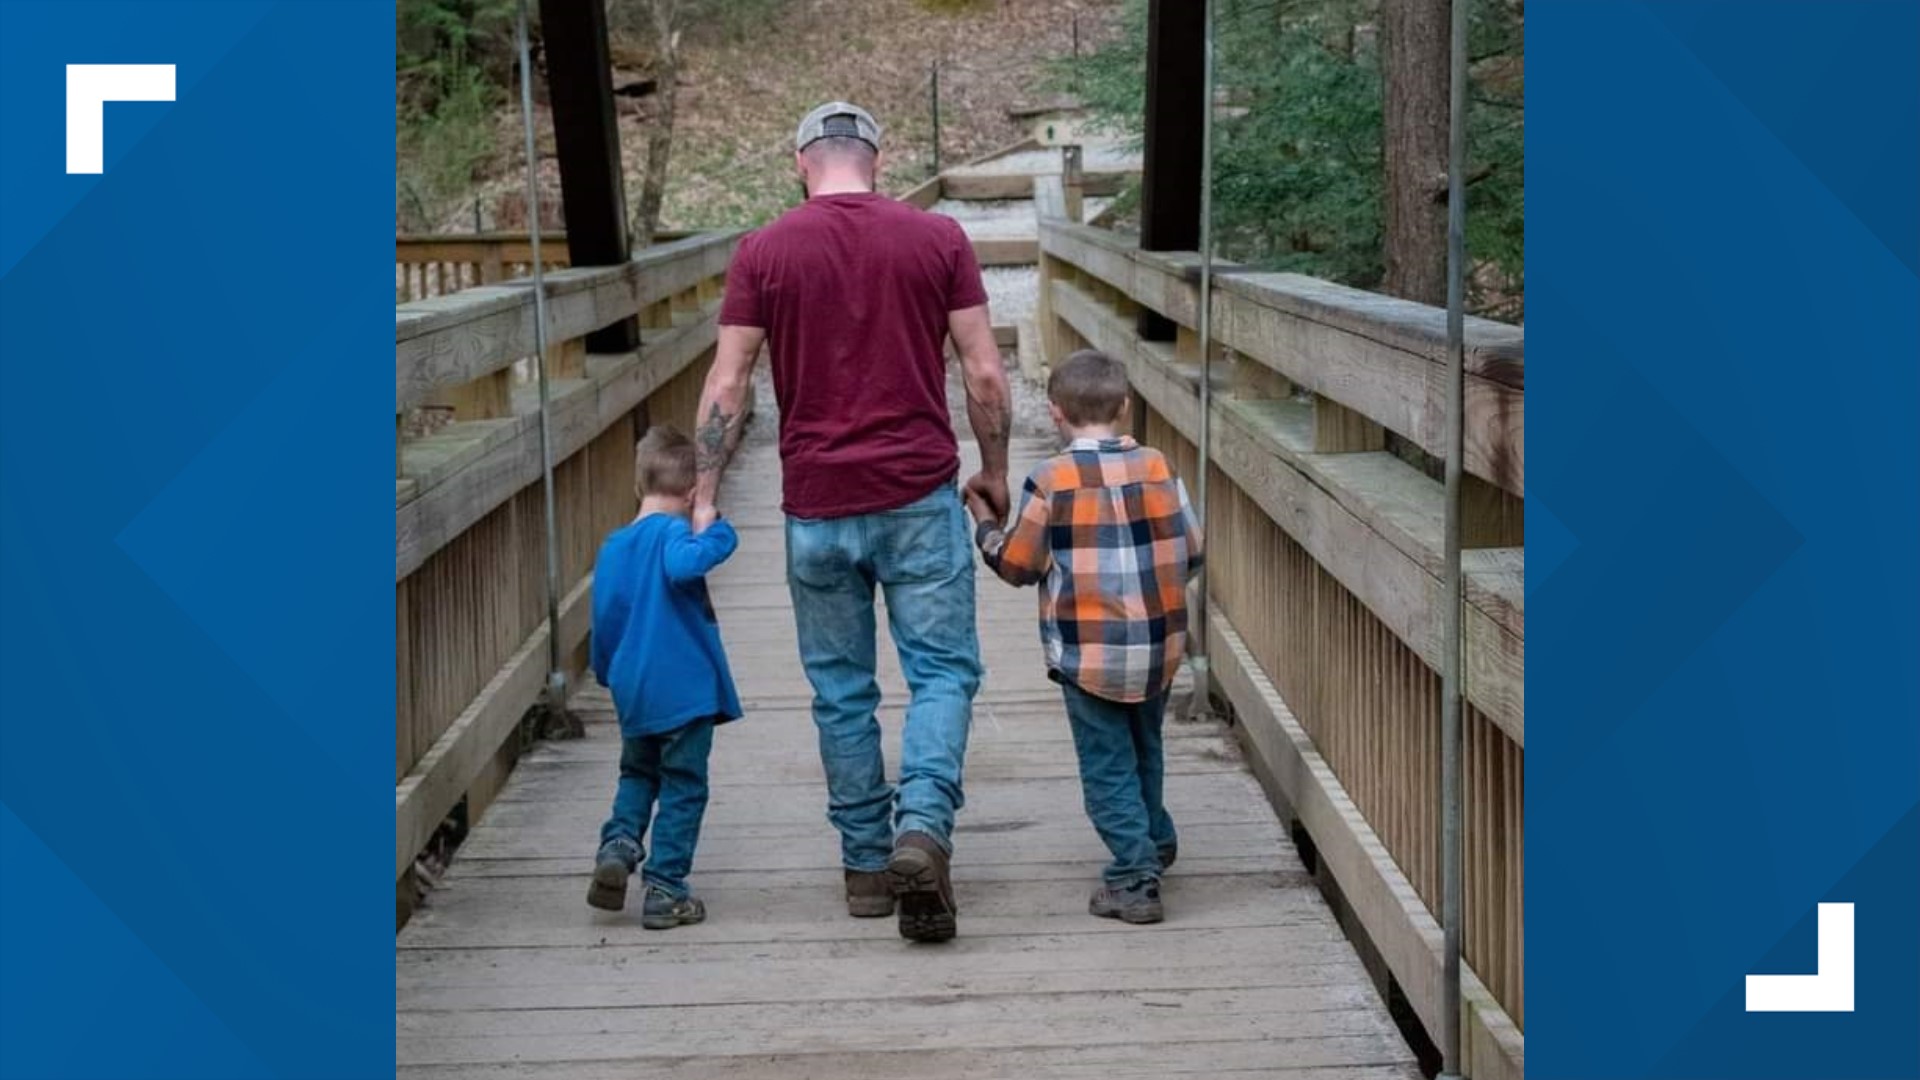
(1829, 988)
(89, 88)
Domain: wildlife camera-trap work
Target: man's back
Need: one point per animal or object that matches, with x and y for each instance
(854, 291)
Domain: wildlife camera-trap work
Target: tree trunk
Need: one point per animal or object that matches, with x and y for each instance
(1414, 69)
(653, 186)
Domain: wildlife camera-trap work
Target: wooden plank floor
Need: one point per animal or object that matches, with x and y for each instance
(506, 971)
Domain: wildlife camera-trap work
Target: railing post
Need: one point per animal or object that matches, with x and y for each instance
(1452, 704)
(1072, 182)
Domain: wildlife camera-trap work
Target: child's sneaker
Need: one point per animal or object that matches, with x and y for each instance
(664, 911)
(1135, 903)
(616, 862)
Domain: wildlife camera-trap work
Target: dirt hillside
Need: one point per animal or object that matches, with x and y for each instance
(744, 87)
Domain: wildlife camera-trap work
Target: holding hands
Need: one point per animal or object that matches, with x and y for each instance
(987, 498)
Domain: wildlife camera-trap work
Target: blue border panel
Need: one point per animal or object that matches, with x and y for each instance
(195, 630)
(1724, 243)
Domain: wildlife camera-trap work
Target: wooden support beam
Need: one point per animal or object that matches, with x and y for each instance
(1032, 362)
(1170, 183)
(989, 187)
(587, 139)
(567, 360)
(1339, 430)
(1006, 250)
(486, 398)
(1052, 342)
(686, 303)
(1049, 196)
(1489, 516)
(657, 315)
(1255, 381)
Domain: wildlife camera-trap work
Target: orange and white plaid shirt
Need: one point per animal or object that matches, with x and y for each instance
(1106, 530)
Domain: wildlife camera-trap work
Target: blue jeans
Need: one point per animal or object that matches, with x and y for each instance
(1123, 771)
(669, 769)
(921, 558)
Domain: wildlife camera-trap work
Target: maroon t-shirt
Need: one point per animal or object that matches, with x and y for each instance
(853, 292)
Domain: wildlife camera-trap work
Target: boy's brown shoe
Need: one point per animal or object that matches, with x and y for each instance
(869, 894)
(922, 885)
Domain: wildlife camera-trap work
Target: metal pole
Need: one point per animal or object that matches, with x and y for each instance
(556, 672)
(1202, 666)
(1452, 901)
(936, 118)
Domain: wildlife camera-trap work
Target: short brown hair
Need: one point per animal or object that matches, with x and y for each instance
(1088, 387)
(663, 462)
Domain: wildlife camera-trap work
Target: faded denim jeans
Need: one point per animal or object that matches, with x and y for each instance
(920, 557)
(663, 777)
(1123, 772)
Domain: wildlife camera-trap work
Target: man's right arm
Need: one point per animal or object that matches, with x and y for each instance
(989, 401)
(723, 404)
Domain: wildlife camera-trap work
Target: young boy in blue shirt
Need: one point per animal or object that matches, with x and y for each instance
(656, 646)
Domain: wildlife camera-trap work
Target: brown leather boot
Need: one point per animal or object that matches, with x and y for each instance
(869, 894)
(922, 885)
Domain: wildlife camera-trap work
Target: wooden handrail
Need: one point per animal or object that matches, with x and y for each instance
(449, 340)
(1379, 356)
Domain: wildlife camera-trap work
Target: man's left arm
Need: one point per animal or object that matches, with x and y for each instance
(989, 402)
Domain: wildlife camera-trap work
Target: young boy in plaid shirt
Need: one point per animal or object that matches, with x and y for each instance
(1105, 529)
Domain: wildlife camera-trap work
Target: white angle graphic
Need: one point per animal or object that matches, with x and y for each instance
(1829, 988)
(89, 88)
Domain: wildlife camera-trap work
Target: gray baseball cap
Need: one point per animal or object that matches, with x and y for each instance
(838, 119)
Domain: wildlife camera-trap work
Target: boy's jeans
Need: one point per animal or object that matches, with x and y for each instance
(670, 769)
(1122, 774)
(920, 557)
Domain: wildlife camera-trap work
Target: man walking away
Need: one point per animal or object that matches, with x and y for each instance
(856, 294)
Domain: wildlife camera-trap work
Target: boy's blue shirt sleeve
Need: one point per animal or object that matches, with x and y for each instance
(691, 555)
(609, 609)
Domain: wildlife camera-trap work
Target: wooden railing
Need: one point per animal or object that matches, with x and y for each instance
(1325, 550)
(435, 265)
(469, 540)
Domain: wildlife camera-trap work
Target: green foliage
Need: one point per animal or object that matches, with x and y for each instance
(440, 151)
(441, 44)
(1298, 168)
(453, 60)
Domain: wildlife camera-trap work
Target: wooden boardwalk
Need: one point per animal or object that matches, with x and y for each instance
(506, 971)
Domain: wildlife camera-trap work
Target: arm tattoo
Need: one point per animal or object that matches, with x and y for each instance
(712, 441)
